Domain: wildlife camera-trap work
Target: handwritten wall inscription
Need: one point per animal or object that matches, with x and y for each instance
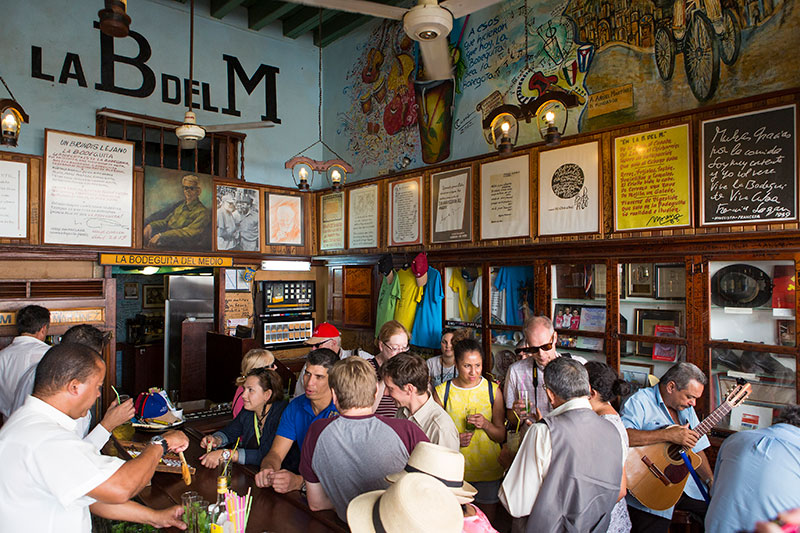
(405, 217)
(749, 167)
(363, 209)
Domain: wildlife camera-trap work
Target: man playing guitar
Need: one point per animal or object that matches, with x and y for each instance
(665, 413)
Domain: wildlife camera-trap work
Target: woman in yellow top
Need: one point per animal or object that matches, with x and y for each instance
(476, 406)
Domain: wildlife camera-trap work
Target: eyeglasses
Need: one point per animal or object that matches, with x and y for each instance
(392, 348)
(188, 188)
(535, 349)
(320, 343)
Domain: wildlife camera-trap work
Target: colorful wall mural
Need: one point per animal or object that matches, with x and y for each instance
(620, 60)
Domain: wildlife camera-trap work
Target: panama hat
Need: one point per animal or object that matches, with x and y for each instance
(444, 464)
(417, 503)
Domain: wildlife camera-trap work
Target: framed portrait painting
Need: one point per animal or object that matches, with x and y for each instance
(153, 296)
(238, 219)
(284, 220)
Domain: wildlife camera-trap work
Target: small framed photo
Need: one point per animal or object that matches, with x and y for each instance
(647, 320)
(787, 332)
(131, 290)
(567, 316)
(153, 296)
(636, 373)
(670, 282)
(640, 279)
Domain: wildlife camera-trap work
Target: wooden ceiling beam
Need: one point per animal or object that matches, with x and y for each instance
(266, 12)
(220, 8)
(305, 20)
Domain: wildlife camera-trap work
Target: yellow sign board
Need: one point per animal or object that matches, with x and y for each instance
(610, 100)
(61, 316)
(165, 260)
(651, 179)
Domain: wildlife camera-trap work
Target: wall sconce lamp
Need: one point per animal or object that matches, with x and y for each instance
(549, 110)
(114, 21)
(303, 169)
(11, 117)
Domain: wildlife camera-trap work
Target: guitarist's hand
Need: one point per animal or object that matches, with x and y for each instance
(682, 435)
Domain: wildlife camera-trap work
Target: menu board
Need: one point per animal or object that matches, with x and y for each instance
(405, 214)
(88, 190)
(652, 179)
(363, 220)
(749, 166)
(331, 215)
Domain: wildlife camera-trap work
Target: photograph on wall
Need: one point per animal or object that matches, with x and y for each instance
(405, 212)
(284, 219)
(749, 167)
(131, 290)
(153, 296)
(569, 190)
(14, 199)
(177, 212)
(647, 320)
(505, 198)
(652, 173)
(331, 220)
(362, 208)
(636, 373)
(88, 190)
(451, 206)
(238, 219)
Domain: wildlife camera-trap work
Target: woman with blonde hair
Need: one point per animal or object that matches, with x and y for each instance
(255, 358)
(392, 340)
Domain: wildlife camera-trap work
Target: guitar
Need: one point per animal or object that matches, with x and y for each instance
(656, 474)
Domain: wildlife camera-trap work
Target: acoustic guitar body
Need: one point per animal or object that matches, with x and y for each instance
(656, 474)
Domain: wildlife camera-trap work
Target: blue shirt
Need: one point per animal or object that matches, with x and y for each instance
(647, 411)
(512, 280)
(756, 477)
(428, 320)
(297, 416)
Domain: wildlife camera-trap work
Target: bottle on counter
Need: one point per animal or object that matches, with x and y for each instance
(217, 512)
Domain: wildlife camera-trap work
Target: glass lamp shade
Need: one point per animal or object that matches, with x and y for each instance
(11, 121)
(551, 119)
(336, 176)
(303, 176)
(505, 130)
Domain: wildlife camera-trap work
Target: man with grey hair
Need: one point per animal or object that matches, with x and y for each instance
(665, 413)
(525, 377)
(576, 488)
(757, 475)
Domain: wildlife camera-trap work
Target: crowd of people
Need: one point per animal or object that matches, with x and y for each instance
(393, 443)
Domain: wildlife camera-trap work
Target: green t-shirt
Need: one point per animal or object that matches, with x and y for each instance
(387, 301)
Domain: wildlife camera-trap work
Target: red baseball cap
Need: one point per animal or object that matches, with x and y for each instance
(419, 266)
(322, 333)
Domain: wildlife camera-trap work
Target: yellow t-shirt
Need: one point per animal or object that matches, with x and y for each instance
(481, 455)
(466, 309)
(410, 296)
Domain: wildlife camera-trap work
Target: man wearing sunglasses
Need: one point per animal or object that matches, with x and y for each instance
(327, 336)
(526, 377)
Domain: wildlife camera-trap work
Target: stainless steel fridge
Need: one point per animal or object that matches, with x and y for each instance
(188, 297)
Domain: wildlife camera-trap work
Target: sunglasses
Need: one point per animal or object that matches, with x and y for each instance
(535, 349)
(317, 345)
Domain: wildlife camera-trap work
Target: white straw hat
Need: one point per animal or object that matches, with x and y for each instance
(444, 464)
(417, 503)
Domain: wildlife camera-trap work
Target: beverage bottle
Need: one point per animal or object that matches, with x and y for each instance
(217, 511)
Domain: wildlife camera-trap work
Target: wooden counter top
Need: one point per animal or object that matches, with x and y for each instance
(270, 512)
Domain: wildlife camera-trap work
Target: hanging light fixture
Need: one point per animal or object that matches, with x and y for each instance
(303, 167)
(11, 117)
(551, 118)
(114, 21)
(505, 131)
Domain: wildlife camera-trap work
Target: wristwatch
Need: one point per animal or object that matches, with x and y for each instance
(226, 454)
(159, 439)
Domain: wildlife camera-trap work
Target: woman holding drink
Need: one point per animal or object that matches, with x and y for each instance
(476, 406)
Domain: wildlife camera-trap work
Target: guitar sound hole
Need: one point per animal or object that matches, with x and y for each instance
(674, 452)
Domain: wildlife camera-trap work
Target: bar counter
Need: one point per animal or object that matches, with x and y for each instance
(270, 511)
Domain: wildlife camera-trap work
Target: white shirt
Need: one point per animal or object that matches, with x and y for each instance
(439, 373)
(520, 378)
(23, 352)
(524, 479)
(47, 471)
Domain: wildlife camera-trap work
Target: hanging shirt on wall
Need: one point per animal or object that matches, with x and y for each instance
(466, 310)
(512, 280)
(387, 300)
(497, 308)
(428, 321)
(410, 296)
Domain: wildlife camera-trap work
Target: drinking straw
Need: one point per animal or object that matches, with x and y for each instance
(249, 500)
(115, 392)
(518, 420)
(228, 462)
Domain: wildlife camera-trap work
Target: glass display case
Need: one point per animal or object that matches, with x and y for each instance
(463, 296)
(652, 304)
(578, 308)
(752, 328)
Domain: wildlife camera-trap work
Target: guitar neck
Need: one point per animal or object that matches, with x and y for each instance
(713, 419)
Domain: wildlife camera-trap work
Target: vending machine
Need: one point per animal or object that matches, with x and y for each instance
(285, 312)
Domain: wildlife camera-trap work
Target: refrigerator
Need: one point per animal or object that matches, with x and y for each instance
(188, 298)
